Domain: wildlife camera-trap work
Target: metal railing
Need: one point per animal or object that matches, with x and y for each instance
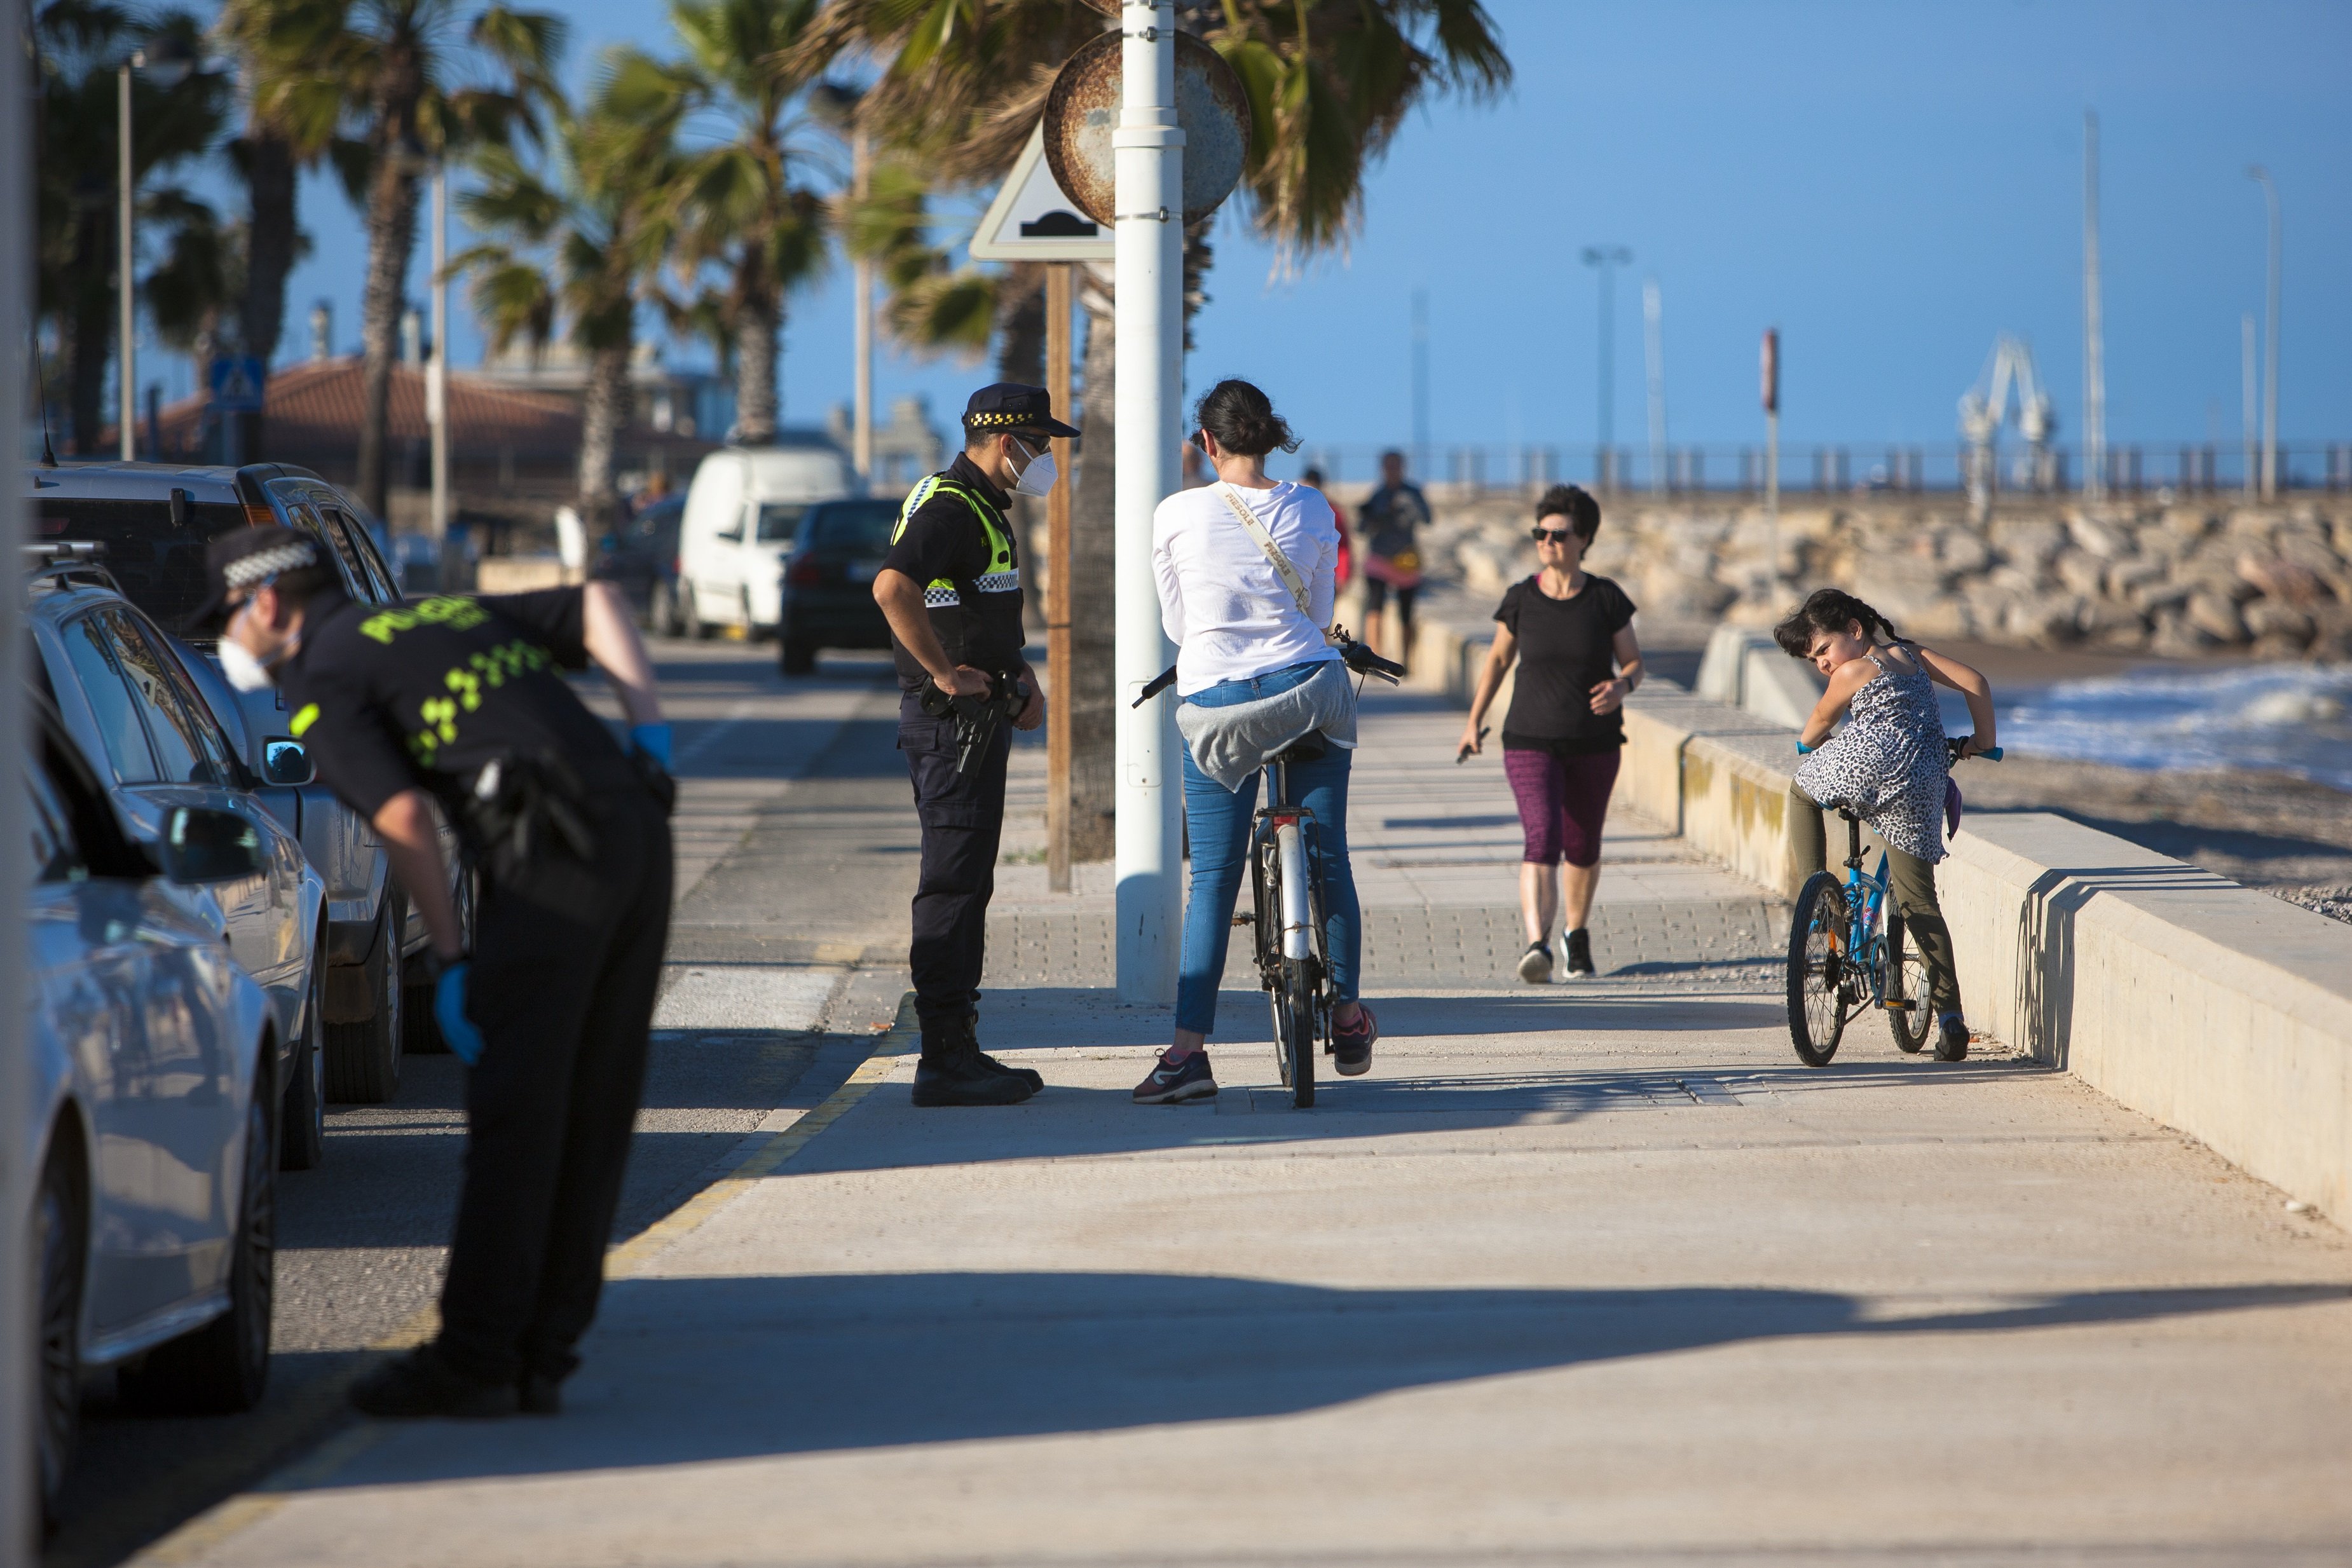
(2134, 468)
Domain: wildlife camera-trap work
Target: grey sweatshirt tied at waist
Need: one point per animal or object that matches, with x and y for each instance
(1229, 744)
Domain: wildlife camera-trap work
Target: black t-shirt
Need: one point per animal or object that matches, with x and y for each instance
(969, 569)
(424, 694)
(1566, 649)
(1391, 515)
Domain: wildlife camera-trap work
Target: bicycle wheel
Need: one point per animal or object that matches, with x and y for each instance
(1297, 1032)
(1265, 889)
(1817, 972)
(1907, 978)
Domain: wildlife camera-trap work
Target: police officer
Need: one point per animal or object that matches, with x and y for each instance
(950, 586)
(463, 702)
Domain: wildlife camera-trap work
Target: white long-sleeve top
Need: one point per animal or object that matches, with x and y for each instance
(1220, 601)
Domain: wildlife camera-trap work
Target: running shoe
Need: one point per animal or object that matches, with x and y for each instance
(1352, 1049)
(1535, 964)
(1576, 949)
(1952, 1038)
(1172, 1083)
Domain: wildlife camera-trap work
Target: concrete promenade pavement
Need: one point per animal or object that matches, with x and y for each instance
(1594, 1274)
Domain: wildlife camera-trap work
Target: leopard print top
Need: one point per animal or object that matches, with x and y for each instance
(1888, 762)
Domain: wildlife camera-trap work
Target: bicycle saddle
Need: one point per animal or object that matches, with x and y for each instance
(1306, 749)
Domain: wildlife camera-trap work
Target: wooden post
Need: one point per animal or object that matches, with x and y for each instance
(1057, 582)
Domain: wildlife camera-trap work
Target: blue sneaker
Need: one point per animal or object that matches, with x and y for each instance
(1172, 1083)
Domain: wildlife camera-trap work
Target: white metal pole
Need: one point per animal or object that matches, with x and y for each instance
(1653, 347)
(126, 277)
(436, 369)
(19, 1508)
(862, 439)
(2094, 345)
(1149, 150)
(2249, 403)
(2270, 342)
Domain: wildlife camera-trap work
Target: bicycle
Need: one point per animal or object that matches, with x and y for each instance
(1286, 916)
(1842, 958)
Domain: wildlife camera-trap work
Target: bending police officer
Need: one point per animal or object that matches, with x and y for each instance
(463, 701)
(950, 588)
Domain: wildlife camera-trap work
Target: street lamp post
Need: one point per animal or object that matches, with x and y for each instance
(1606, 258)
(436, 372)
(168, 61)
(2261, 176)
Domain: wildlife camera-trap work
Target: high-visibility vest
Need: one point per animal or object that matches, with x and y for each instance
(1002, 576)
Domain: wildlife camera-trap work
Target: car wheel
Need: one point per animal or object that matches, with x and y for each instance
(221, 1367)
(61, 1219)
(661, 610)
(797, 657)
(751, 627)
(303, 1117)
(364, 1057)
(690, 622)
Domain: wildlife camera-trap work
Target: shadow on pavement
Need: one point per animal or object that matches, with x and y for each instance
(690, 1371)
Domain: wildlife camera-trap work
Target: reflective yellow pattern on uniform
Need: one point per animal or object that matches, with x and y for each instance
(461, 615)
(484, 671)
(1002, 576)
(303, 720)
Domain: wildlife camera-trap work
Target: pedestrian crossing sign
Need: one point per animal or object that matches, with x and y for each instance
(235, 382)
(1032, 220)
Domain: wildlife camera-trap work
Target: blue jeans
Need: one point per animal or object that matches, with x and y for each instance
(1218, 821)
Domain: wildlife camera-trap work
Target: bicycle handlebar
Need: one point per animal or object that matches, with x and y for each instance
(1352, 653)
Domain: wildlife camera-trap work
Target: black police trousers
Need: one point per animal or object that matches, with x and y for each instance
(964, 817)
(567, 958)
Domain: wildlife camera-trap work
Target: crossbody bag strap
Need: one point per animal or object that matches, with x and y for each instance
(1281, 562)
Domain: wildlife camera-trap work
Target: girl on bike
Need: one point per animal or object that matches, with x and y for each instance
(1889, 765)
(1572, 634)
(1247, 656)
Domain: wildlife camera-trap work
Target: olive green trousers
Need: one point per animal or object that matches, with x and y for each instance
(1910, 881)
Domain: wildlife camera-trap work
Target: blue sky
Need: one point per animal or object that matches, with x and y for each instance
(1891, 184)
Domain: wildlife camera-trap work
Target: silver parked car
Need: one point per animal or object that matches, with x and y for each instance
(127, 698)
(151, 522)
(153, 1118)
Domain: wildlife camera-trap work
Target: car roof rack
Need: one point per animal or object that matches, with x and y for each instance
(67, 563)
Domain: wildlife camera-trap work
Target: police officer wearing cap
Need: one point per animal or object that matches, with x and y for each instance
(950, 588)
(463, 702)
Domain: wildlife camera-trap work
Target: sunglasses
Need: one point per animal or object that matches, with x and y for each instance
(1554, 536)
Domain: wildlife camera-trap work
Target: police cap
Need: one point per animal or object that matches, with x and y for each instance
(1008, 408)
(243, 559)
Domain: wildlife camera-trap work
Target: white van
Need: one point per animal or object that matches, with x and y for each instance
(742, 511)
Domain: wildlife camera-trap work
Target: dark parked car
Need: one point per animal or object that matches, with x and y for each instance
(642, 557)
(829, 581)
(153, 1120)
(151, 522)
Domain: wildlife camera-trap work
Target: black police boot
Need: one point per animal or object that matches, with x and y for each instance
(422, 1384)
(1029, 1075)
(539, 1393)
(952, 1072)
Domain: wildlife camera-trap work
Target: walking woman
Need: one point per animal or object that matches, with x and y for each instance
(1255, 674)
(1572, 635)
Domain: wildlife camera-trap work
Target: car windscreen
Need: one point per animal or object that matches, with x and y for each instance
(851, 528)
(160, 567)
(779, 521)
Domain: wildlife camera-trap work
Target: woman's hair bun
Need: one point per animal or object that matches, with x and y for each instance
(1242, 420)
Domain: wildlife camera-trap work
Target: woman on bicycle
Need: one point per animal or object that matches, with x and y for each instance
(1572, 634)
(1255, 674)
(1889, 765)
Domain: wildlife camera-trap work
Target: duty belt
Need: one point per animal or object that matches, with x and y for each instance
(518, 808)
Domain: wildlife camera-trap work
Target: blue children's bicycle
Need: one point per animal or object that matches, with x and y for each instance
(1843, 957)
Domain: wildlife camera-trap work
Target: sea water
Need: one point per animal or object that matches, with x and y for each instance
(2286, 718)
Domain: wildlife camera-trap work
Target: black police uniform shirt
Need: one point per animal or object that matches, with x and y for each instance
(422, 694)
(1566, 648)
(969, 570)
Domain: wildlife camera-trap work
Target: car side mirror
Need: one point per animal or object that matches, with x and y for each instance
(285, 760)
(201, 845)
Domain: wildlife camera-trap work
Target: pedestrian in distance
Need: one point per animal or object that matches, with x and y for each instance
(1572, 634)
(462, 703)
(1391, 524)
(1250, 656)
(950, 588)
(1890, 764)
(1344, 571)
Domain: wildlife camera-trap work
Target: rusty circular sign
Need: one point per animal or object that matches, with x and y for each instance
(1082, 110)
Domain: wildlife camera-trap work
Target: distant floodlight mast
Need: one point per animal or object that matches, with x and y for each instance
(1771, 388)
(2095, 344)
(2262, 177)
(1606, 259)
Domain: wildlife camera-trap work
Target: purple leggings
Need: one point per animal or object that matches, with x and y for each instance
(1563, 800)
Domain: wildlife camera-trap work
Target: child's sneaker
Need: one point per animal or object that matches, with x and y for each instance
(1952, 1038)
(1172, 1083)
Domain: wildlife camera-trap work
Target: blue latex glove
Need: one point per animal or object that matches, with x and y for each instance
(653, 740)
(449, 1013)
(1802, 749)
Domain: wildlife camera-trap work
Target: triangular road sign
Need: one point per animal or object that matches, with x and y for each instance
(1032, 220)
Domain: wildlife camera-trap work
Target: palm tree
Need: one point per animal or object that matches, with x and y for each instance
(1329, 83)
(582, 238)
(741, 204)
(400, 69)
(81, 46)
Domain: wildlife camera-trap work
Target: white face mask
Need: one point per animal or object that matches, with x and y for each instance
(1037, 479)
(245, 671)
